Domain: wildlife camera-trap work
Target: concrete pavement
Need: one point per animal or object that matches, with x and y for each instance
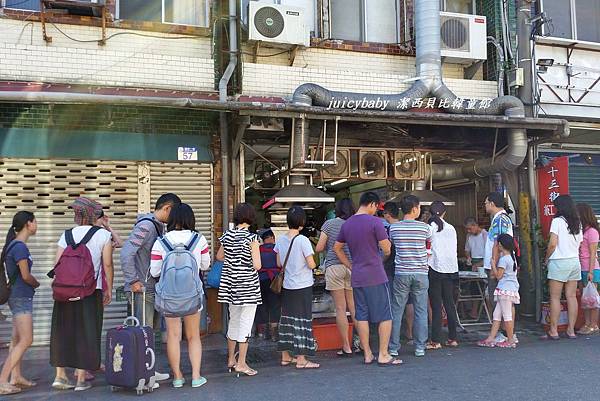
(536, 370)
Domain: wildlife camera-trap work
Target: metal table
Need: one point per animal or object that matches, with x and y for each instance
(470, 293)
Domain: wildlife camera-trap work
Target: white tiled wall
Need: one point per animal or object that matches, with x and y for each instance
(276, 80)
(125, 60)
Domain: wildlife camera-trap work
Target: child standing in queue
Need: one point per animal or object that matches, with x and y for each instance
(506, 294)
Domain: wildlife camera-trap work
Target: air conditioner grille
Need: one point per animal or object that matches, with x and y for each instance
(269, 22)
(455, 33)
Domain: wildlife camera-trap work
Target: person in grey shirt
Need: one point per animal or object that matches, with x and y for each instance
(135, 261)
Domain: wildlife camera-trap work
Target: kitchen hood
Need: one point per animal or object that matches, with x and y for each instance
(298, 194)
(426, 197)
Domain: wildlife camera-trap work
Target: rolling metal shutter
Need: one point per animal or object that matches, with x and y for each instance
(47, 188)
(584, 184)
(193, 184)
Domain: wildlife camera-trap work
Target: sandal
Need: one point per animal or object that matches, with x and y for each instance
(308, 365)
(506, 344)
(452, 343)
(433, 346)
(486, 343)
(24, 383)
(344, 354)
(547, 337)
(370, 361)
(392, 362)
(7, 389)
(248, 372)
(288, 363)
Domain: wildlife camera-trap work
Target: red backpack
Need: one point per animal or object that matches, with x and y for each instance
(74, 275)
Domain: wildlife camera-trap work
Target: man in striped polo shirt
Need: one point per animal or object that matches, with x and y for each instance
(410, 238)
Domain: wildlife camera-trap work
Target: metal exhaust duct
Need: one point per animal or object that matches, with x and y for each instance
(431, 84)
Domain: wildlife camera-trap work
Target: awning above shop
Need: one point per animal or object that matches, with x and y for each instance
(536, 126)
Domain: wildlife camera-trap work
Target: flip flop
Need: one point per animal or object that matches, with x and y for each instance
(288, 363)
(486, 344)
(343, 354)
(433, 346)
(308, 365)
(452, 343)
(371, 361)
(391, 362)
(571, 336)
(547, 337)
(8, 389)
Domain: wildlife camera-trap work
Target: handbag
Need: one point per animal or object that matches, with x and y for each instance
(277, 283)
(5, 286)
(213, 279)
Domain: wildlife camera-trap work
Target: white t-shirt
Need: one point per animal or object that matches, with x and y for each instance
(297, 273)
(201, 252)
(475, 245)
(444, 258)
(568, 244)
(95, 246)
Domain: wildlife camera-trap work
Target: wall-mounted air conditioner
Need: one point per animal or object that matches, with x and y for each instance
(464, 37)
(277, 24)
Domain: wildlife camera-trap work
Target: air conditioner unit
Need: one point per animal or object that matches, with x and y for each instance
(463, 37)
(333, 171)
(409, 165)
(373, 164)
(278, 24)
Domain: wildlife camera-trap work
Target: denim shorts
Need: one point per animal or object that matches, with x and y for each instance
(20, 305)
(564, 270)
(373, 303)
(584, 277)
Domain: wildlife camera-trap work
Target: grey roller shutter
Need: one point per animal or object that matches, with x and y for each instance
(192, 183)
(584, 185)
(47, 188)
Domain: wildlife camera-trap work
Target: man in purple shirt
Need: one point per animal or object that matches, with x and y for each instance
(364, 234)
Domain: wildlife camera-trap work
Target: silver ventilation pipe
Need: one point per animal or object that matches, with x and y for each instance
(431, 84)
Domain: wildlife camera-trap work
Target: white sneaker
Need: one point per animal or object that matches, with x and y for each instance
(393, 353)
(160, 377)
(500, 338)
(156, 385)
(515, 339)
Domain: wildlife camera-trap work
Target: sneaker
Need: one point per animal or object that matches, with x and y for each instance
(515, 339)
(420, 352)
(393, 353)
(62, 384)
(82, 386)
(500, 338)
(159, 377)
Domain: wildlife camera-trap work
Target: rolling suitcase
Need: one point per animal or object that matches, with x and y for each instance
(130, 354)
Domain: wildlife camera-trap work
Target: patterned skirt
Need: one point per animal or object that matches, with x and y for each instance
(512, 296)
(295, 324)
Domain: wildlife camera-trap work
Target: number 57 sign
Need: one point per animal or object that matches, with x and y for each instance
(187, 154)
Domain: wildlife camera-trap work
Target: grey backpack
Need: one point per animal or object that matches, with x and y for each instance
(179, 291)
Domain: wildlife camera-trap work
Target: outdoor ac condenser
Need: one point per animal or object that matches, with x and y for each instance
(277, 24)
(464, 37)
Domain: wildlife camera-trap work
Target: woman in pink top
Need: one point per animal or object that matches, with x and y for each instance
(590, 270)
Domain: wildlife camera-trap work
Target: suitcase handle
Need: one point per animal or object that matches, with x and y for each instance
(143, 308)
(150, 366)
(136, 322)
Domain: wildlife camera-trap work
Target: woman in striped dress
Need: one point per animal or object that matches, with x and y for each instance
(240, 287)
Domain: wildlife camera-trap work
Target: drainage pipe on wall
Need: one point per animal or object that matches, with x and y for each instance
(223, 124)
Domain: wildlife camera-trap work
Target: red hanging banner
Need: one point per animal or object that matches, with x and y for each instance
(553, 180)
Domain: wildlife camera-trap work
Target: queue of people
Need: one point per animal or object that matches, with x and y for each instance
(372, 271)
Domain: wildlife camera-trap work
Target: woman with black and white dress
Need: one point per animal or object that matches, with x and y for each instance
(240, 287)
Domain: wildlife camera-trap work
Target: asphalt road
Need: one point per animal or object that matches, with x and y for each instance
(537, 370)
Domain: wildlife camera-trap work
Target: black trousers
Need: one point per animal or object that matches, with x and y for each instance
(441, 291)
(270, 310)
